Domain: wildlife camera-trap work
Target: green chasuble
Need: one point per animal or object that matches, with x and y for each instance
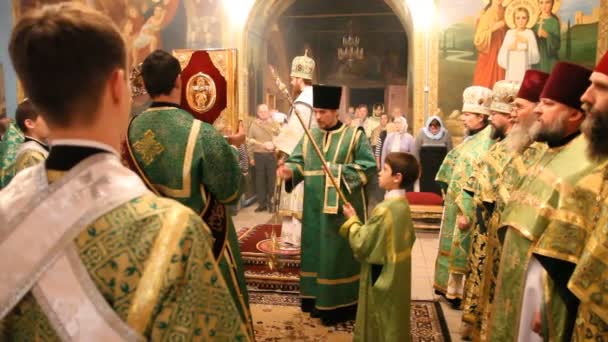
(329, 272)
(573, 249)
(524, 219)
(193, 303)
(26, 158)
(189, 161)
(448, 219)
(383, 245)
(503, 171)
(454, 243)
(9, 145)
(479, 185)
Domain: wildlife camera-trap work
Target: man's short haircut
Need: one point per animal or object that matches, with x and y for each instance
(64, 55)
(405, 164)
(25, 110)
(159, 71)
(362, 106)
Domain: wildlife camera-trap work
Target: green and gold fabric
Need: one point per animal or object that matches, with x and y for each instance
(573, 250)
(329, 271)
(505, 171)
(189, 161)
(454, 244)
(9, 145)
(192, 302)
(525, 219)
(480, 185)
(383, 245)
(448, 219)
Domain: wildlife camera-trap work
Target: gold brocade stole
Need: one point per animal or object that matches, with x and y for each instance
(338, 148)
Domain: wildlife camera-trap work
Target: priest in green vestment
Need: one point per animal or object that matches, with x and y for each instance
(383, 245)
(34, 149)
(10, 141)
(188, 160)
(329, 276)
(523, 288)
(501, 171)
(454, 240)
(573, 248)
(146, 262)
(477, 188)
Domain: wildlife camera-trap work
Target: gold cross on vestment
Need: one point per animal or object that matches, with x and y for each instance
(148, 147)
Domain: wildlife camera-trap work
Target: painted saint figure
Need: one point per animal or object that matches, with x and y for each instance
(548, 36)
(519, 50)
(489, 34)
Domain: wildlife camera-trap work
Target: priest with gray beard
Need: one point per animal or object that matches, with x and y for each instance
(521, 154)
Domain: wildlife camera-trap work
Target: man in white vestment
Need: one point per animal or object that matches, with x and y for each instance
(291, 204)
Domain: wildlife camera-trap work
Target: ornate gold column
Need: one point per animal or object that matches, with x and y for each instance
(602, 30)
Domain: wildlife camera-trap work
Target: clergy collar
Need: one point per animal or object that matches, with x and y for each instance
(157, 104)
(475, 131)
(335, 127)
(67, 153)
(395, 193)
(45, 146)
(564, 140)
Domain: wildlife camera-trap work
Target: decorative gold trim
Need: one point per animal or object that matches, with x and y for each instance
(233, 269)
(148, 290)
(323, 281)
(201, 92)
(148, 147)
(313, 173)
(185, 191)
(183, 56)
(335, 307)
(308, 274)
(139, 171)
(337, 151)
(329, 209)
(547, 302)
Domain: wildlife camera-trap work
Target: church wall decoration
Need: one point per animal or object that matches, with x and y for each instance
(475, 48)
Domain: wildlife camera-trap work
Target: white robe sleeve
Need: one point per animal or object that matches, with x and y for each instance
(533, 54)
(503, 53)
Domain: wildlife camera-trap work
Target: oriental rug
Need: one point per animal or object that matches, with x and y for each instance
(277, 317)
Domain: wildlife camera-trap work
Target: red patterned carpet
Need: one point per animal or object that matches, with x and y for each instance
(277, 317)
(257, 252)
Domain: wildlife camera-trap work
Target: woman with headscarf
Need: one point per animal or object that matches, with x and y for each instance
(398, 141)
(432, 144)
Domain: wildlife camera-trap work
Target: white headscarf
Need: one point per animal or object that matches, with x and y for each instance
(428, 132)
(403, 121)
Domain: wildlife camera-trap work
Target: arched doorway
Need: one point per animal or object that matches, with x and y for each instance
(264, 41)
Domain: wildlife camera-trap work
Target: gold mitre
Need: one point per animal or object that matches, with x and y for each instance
(476, 99)
(303, 67)
(503, 95)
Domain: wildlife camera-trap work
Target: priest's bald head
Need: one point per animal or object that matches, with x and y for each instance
(595, 105)
(559, 113)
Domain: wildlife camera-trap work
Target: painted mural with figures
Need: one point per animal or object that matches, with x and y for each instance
(156, 24)
(484, 41)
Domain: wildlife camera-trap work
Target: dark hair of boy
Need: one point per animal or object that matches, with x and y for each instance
(25, 110)
(159, 71)
(47, 44)
(405, 164)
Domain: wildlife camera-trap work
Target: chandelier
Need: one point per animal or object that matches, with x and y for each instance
(350, 50)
